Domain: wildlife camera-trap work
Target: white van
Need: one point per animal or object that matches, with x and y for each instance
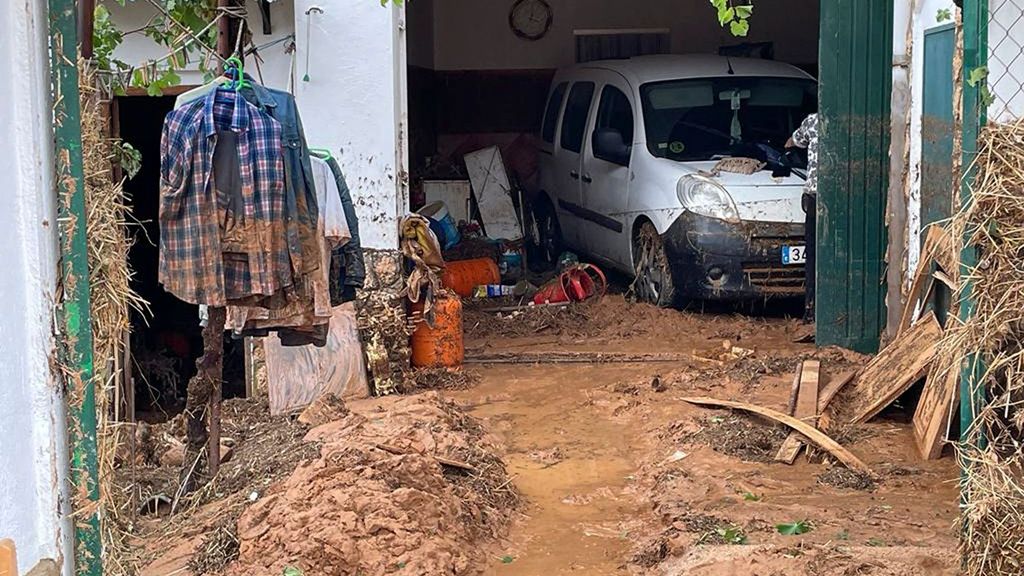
(631, 173)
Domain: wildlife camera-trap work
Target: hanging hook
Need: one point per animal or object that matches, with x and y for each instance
(309, 24)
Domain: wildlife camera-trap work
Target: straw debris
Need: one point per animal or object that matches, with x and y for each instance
(112, 301)
(992, 455)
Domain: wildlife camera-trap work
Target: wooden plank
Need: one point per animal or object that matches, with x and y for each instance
(794, 392)
(813, 435)
(250, 374)
(931, 418)
(807, 401)
(892, 371)
(806, 410)
(933, 239)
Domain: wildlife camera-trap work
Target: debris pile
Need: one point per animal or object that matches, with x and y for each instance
(401, 482)
(992, 341)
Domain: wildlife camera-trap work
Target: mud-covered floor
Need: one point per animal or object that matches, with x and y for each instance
(572, 468)
(622, 477)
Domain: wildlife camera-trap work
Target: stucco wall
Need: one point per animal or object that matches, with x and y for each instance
(475, 34)
(33, 451)
(352, 105)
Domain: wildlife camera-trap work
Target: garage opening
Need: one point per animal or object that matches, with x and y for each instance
(166, 344)
(480, 75)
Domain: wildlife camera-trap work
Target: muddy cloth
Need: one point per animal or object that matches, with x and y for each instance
(304, 321)
(348, 266)
(208, 253)
(806, 136)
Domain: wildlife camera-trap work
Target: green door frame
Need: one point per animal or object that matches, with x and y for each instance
(855, 99)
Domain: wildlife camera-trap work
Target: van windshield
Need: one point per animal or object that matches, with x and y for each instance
(704, 118)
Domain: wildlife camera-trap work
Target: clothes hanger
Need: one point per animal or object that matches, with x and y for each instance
(233, 66)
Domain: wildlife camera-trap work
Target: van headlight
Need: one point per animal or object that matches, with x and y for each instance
(706, 197)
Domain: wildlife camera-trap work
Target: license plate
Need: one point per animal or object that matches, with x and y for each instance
(794, 255)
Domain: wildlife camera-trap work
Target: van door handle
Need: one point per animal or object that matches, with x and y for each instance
(574, 175)
(587, 178)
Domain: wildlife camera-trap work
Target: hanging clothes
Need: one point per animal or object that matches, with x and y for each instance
(222, 204)
(301, 317)
(301, 204)
(348, 267)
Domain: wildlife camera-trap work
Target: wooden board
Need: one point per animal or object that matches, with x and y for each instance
(806, 410)
(493, 194)
(934, 243)
(454, 194)
(892, 371)
(931, 418)
(296, 376)
(813, 435)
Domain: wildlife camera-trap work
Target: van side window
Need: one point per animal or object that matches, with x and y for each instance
(616, 113)
(551, 113)
(574, 122)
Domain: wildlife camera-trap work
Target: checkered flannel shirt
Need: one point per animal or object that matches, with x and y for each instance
(206, 255)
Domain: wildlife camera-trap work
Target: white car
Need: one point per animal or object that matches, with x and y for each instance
(631, 173)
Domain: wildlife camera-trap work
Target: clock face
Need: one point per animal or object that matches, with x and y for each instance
(530, 19)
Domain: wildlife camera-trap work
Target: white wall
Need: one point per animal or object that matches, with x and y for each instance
(33, 450)
(274, 70)
(351, 105)
(474, 34)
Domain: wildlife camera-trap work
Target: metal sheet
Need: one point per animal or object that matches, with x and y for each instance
(493, 194)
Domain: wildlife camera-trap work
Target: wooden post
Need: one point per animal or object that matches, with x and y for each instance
(203, 402)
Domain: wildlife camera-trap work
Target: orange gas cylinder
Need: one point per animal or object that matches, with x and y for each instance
(463, 276)
(439, 346)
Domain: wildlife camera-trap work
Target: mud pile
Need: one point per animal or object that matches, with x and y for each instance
(401, 484)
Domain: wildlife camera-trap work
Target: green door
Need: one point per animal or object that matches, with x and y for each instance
(937, 186)
(855, 88)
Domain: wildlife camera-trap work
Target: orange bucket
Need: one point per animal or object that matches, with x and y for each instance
(439, 346)
(462, 276)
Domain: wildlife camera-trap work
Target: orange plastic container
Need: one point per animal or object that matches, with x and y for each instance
(439, 346)
(463, 276)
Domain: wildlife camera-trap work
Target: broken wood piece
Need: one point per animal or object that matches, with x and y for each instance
(813, 435)
(827, 394)
(945, 279)
(806, 409)
(794, 391)
(931, 418)
(889, 374)
(935, 248)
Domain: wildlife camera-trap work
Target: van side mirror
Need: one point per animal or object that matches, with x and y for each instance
(609, 145)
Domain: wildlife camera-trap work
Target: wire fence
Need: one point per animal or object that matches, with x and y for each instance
(1006, 60)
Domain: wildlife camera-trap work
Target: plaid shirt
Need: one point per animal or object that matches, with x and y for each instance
(213, 251)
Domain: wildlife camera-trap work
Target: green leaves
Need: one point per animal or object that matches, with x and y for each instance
(506, 559)
(292, 571)
(736, 16)
(794, 528)
(977, 76)
(751, 497)
(943, 15)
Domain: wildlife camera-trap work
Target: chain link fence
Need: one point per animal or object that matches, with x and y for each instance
(1006, 60)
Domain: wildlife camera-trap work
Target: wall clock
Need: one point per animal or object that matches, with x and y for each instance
(530, 19)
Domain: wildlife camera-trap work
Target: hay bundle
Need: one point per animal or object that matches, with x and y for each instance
(993, 457)
(111, 301)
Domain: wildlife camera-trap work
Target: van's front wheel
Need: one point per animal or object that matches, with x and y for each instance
(653, 282)
(549, 243)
